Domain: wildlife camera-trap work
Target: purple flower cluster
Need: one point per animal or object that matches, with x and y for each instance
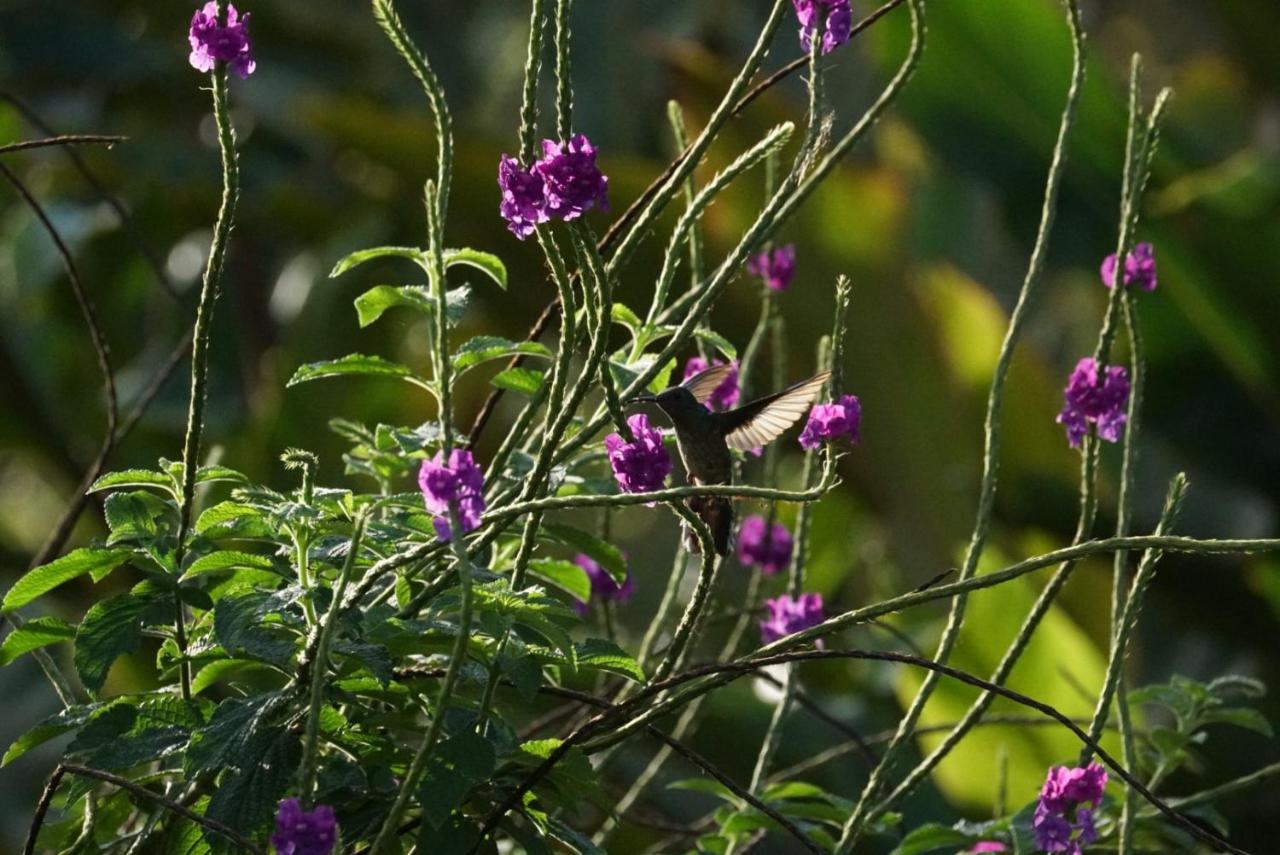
(842, 418)
(304, 832)
(987, 846)
(1090, 399)
(1139, 267)
(760, 545)
(1063, 821)
(643, 465)
(787, 615)
(212, 43)
(838, 22)
(565, 183)
(724, 396)
(775, 267)
(458, 481)
(602, 585)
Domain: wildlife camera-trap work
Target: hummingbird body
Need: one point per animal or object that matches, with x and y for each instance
(704, 438)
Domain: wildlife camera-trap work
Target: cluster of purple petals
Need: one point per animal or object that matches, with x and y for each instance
(458, 481)
(565, 183)
(724, 396)
(1063, 821)
(643, 465)
(1139, 267)
(988, 846)
(603, 587)
(764, 546)
(775, 267)
(836, 17)
(837, 420)
(1098, 400)
(212, 43)
(304, 832)
(786, 615)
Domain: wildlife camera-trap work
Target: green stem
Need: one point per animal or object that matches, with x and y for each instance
(320, 666)
(439, 287)
(564, 80)
(532, 67)
(689, 621)
(409, 784)
(209, 291)
(990, 460)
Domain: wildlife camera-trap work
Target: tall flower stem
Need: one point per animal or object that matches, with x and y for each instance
(210, 288)
(991, 451)
(564, 80)
(409, 783)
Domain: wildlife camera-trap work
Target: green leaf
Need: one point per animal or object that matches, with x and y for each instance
(523, 381)
(134, 478)
(602, 552)
(233, 520)
(483, 348)
(352, 365)
(373, 303)
(622, 314)
(228, 560)
(565, 575)
(458, 764)
(238, 734)
(217, 670)
(601, 655)
(34, 634)
(1245, 717)
(928, 838)
(246, 798)
(361, 256)
(486, 262)
(53, 726)
(110, 629)
(240, 625)
(134, 516)
(93, 560)
(717, 341)
(213, 472)
(709, 786)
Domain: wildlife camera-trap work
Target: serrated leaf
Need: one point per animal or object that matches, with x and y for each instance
(374, 657)
(144, 746)
(565, 575)
(602, 552)
(361, 256)
(929, 838)
(93, 560)
(622, 314)
(233, 520)
(237, 734)
(110, 629)
(353, 365)
(709, 786)
(521, 380)
(53, 726)
(483, 348)
(373, 303)
(246, 798)
(486, 262)
(1250, 719)
(241, 626)
(34, 634)
(134, 478)
(228, 560)
(134, 516)
(602, 655)
(213, 472)
(459, 763)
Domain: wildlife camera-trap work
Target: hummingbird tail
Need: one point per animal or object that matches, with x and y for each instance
(717, 513)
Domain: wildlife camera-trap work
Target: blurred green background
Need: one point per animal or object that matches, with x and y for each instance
(932, 218)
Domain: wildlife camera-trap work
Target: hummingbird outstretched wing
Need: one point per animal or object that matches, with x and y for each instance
(764, 420)
(702, 384)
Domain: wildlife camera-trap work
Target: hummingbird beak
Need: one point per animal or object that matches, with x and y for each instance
(640, 399)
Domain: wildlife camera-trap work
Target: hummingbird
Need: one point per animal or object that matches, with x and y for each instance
(705, 437)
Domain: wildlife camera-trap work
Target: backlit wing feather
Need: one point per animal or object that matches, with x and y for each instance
(765, 420)
(702, 384)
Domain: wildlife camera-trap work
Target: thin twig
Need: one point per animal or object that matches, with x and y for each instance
(63, 140)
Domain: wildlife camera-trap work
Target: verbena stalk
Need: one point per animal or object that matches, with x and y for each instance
(991, 448)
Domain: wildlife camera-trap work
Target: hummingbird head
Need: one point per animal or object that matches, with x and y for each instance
(676, 402)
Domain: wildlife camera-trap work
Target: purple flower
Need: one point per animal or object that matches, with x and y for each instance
(602, 584)
(1101, 401)
(776, 267)
(987, 846)
(523, 205)
(460, 482)
(762, 546)
(1068, 792)
(212, 43)
(724, 396)
(1139, 266)
(787, 615)
(303, 832)
(838, 19)
(841, 418)
(641, 466)
(572, 183)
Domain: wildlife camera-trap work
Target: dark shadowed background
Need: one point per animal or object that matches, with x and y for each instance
(932, 218)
